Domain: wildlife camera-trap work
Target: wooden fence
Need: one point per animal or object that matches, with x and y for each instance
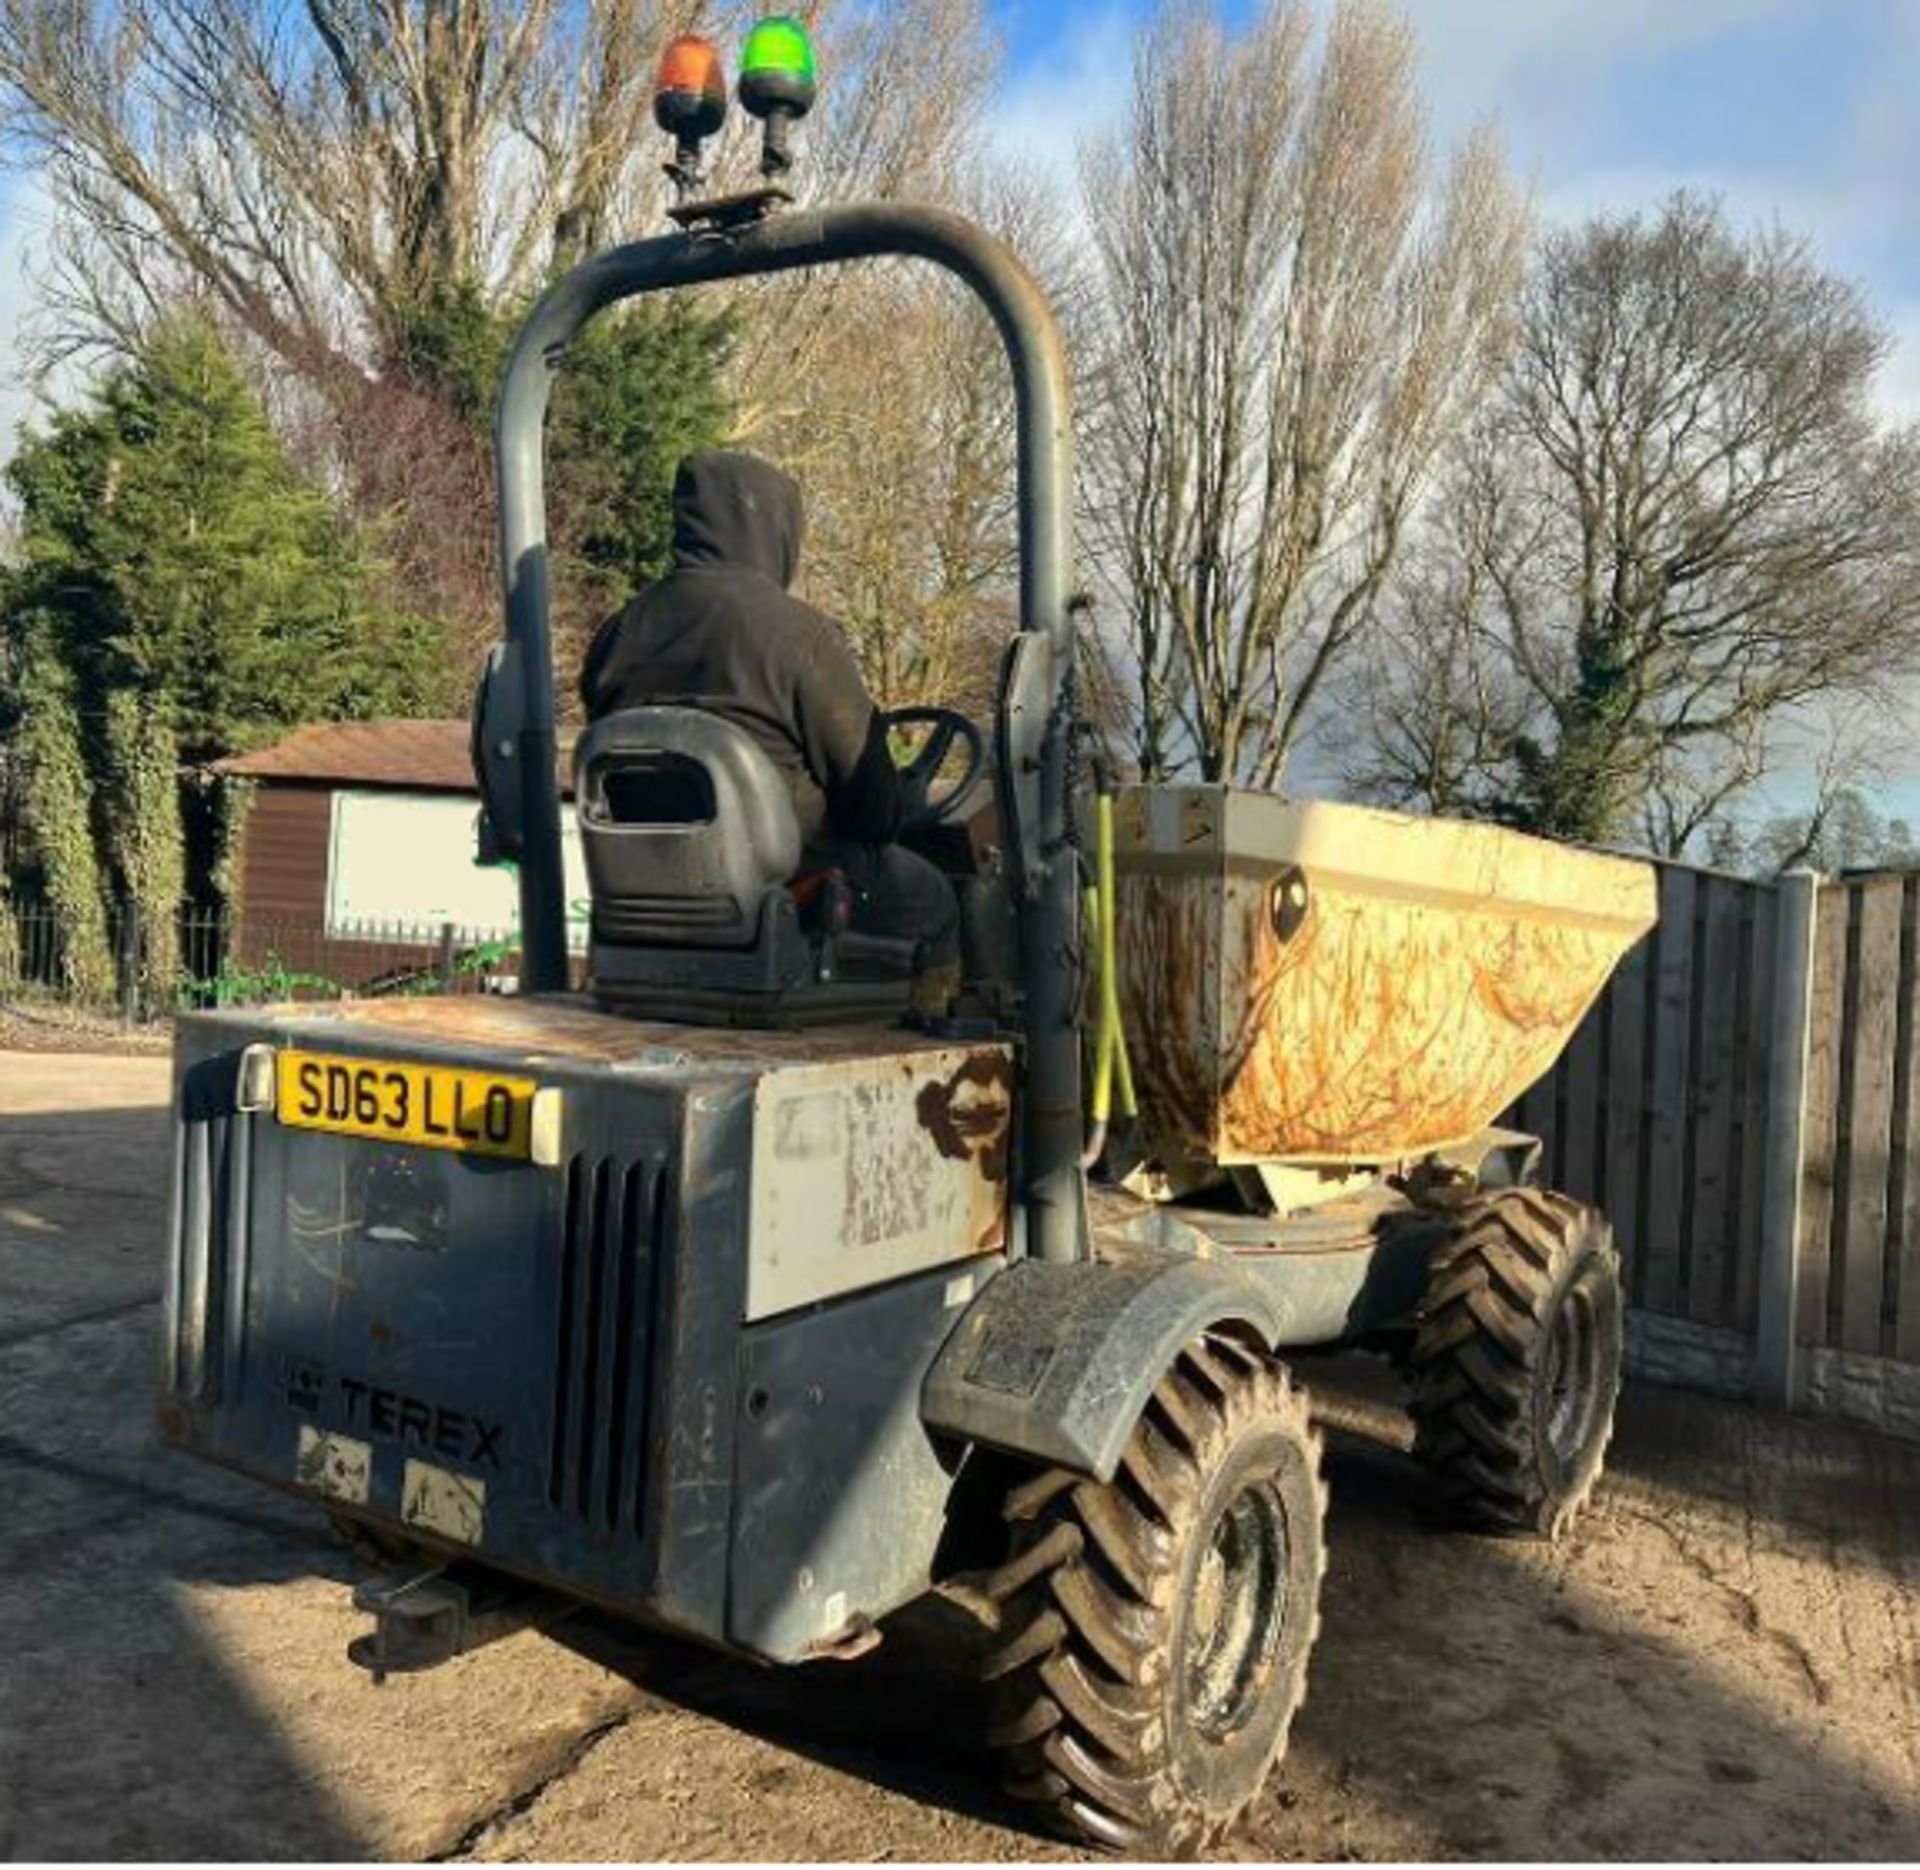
(1859, 1285)
(1658, 1108)
(1744, 1102)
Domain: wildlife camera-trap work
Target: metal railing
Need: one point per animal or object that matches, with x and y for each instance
(225, 959)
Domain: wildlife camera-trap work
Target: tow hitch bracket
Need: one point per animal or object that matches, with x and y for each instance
(425, 1618)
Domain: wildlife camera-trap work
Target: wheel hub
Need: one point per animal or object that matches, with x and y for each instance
(1237, 1610)
(1571, 1380)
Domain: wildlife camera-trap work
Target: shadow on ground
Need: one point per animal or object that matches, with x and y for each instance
(117, 1712)
(118, 1708)
(1471, 1697)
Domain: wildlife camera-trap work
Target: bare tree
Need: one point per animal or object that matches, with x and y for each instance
(1291, 322)
(341, 178)
(322, 168)
(1838, 757)
(319, 169)
(1677, 527)
(903, 105)
(1432, 714)
(902, 428)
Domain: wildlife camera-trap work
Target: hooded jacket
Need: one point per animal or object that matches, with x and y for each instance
(722, 632)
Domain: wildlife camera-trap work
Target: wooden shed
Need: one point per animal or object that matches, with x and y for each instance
(357, 855)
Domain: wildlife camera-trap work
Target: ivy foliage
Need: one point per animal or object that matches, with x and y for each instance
(144, 832)
(56, 800)
(230, 805)
(9, 938)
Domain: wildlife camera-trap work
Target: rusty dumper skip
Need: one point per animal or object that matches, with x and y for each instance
(718, 1297)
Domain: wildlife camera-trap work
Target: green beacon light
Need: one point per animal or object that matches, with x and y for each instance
(777, 84)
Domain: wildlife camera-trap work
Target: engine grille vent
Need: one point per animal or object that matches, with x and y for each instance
(207, 1260)
(612, 1248)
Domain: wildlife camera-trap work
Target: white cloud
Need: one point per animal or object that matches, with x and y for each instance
(1063, 91)
(1547, 58)
(1549, 72)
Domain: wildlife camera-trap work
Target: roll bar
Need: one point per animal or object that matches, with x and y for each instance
(514, 740)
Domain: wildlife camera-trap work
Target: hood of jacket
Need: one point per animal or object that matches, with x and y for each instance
(739, 512)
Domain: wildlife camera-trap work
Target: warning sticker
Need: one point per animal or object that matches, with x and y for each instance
(453, 1505)
(336, 1465)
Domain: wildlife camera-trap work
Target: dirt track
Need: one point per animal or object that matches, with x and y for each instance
(1727, 1664)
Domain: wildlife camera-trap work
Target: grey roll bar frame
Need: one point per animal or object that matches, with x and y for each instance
(1033, 754)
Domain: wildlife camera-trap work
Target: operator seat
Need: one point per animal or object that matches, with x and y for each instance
(692, 846)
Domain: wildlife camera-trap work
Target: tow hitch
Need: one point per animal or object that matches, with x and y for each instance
(424, 1618)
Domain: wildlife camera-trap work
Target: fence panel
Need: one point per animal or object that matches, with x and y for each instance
(1753, 1067)
(1719, 1039)
(1657, 1110)
(1657, 1285)
(1903, 1236)
(1860, 1228)
(1625, 1014)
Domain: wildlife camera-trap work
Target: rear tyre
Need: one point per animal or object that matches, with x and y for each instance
(1516, 1363)
(1155, 1629)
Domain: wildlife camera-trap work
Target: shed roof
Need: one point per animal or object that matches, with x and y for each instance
(426, 756)
(416, 756)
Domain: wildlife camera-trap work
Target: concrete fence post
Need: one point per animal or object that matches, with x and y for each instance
(1776, 1348)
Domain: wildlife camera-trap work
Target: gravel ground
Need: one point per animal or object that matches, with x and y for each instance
(55, 1028)
(1725, 1664)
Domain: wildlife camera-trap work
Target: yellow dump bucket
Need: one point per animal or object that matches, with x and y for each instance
(1315, 983)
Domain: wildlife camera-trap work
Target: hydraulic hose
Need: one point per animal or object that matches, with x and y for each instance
(1112, 1068)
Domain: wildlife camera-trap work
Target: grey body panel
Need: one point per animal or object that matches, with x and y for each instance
(1336, 1272)
(544, 1369)
(843, 1494)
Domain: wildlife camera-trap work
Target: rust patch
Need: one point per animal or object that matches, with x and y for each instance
(970, 1114)
(1169, 990)
(1378, 1027)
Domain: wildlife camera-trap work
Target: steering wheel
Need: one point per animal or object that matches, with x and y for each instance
(944, 726)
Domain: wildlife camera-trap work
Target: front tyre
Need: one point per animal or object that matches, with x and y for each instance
(1157, 1627)
(1516, 1363)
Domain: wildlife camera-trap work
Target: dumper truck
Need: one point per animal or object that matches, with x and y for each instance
(698, 1283)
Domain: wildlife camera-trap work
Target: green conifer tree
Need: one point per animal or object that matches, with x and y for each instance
(199, 596)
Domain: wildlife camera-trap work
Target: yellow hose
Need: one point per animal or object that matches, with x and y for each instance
(1110, 1039)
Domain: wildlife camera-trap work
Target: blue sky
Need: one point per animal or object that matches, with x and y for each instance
(1800, 110)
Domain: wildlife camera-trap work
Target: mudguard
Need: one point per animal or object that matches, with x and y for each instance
(1056, 1361)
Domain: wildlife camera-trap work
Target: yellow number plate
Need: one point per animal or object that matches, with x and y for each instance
(436, 1106)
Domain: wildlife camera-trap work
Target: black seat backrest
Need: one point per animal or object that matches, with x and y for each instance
(685, 824)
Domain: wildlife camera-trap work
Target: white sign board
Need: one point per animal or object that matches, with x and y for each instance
(405, 860)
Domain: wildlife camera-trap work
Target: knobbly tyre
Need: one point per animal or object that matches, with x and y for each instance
(719, 1297)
